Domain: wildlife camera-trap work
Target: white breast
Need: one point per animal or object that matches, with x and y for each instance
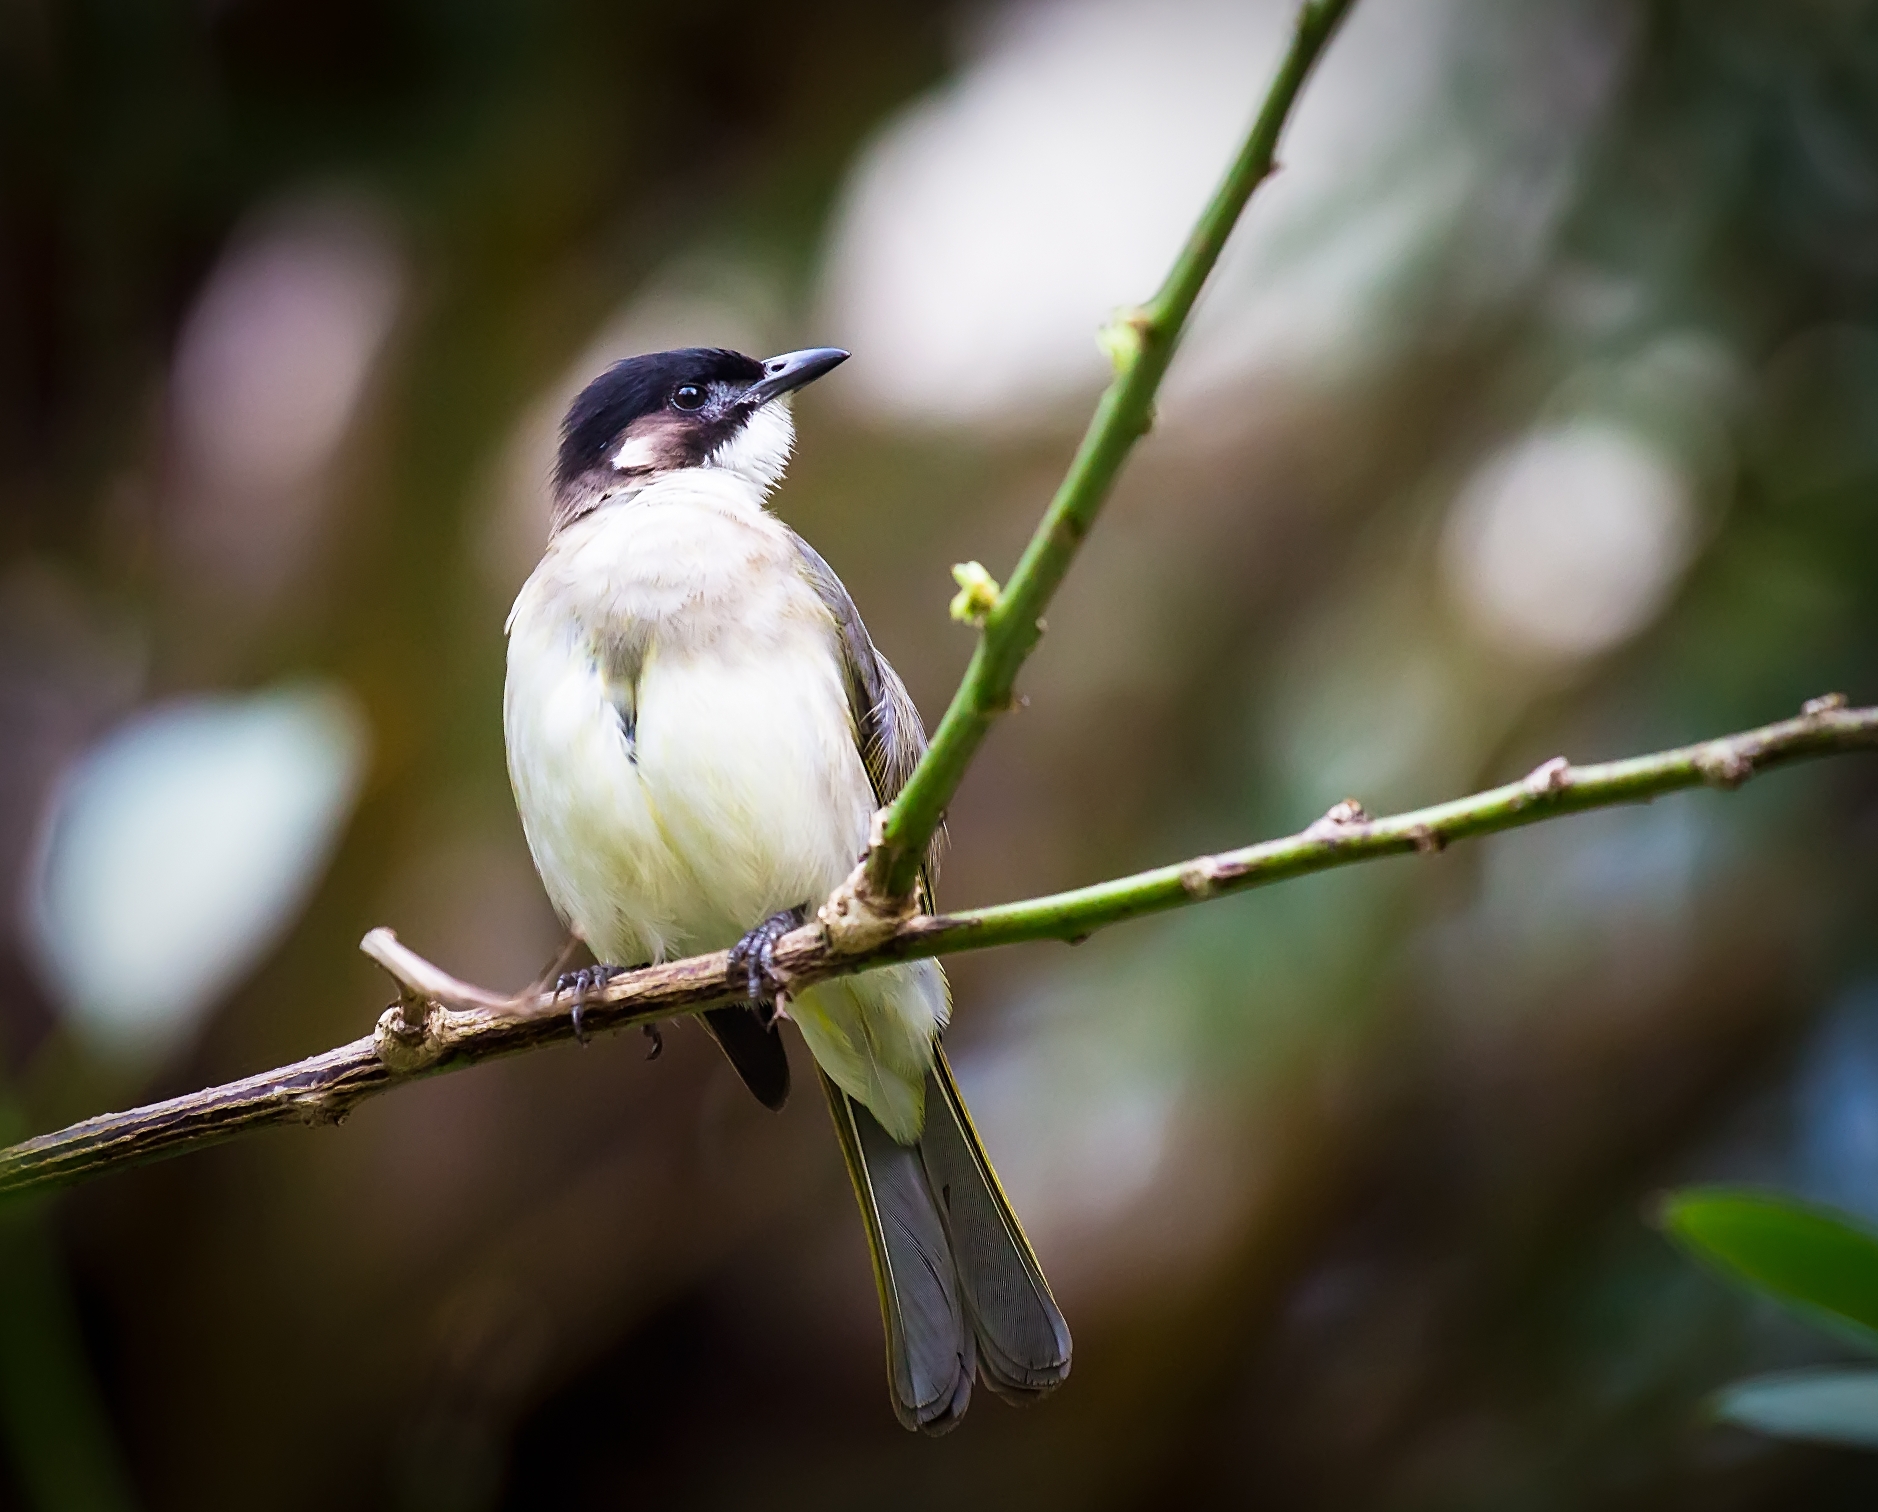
(741, 792)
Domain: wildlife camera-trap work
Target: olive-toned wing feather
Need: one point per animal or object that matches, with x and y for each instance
(887, 725)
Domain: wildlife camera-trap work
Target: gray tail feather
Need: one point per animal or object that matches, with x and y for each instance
(930, 1349)
(961, 1292)
(1023, 1342)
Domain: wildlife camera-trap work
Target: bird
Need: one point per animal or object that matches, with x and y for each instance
(699, 731)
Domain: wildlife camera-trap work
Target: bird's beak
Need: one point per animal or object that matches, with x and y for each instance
(791, 371)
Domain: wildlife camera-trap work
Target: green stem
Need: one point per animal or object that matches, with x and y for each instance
(1345, 837)
(1148, 338)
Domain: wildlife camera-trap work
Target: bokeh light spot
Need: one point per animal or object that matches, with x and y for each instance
(180, 848)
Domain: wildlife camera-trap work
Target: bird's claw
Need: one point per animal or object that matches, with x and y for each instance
(589, 979)
(657, 1048)
(756, 954)
(583, 984)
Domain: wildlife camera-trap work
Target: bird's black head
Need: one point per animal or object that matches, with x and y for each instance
(695, 407)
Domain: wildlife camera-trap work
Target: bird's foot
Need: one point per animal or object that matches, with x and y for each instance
(588, 979)
(658, 1041)
(756, 954)
(583, 984)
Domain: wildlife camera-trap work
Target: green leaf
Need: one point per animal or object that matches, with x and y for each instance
(1833, 1405)
(1818, 1262)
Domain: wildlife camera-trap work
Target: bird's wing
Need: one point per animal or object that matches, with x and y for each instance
(887, 725)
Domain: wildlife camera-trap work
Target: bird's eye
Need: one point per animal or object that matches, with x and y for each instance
(688, 396)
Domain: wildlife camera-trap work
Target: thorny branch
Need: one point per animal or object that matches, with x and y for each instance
(441, 1024)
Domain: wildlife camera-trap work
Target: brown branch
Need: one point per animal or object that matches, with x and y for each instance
(441, 1024)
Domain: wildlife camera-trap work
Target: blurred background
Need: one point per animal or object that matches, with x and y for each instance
(1533, 410)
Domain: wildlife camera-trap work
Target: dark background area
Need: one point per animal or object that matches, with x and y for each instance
(1535, 410)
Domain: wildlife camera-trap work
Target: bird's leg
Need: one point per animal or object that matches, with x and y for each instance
(583, 984)
(756, 953)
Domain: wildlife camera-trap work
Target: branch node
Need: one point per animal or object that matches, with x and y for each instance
(855, 917)
(1549, 777)
(1427, 841)
(405, 1049)
(1124, 337)
(1341, 817)
(1826, 703)
(1724, 766)
(1199, 879)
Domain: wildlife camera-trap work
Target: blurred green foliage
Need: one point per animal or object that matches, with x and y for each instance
(1819, 1263)
(1811, 1259)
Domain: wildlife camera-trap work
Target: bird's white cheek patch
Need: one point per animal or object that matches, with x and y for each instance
(636, 452)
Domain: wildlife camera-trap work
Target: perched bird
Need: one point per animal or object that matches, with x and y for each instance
(699, 731)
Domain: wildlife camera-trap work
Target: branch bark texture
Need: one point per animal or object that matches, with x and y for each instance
(440, 1024)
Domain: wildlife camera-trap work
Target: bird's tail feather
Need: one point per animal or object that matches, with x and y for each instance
(929, 1342)
(961, 1292)
(755, 1049)
(1023, 1342)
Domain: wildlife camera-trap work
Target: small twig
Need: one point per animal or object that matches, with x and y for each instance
(442, 1024)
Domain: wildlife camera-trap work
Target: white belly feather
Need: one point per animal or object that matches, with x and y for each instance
(740, 791)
